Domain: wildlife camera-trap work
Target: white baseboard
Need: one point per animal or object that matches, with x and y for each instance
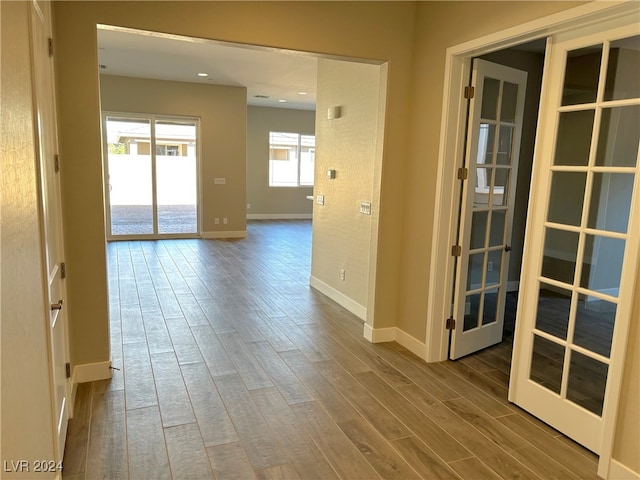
(224, 234)
(90, 372)
(379, 335)
(339, 297)
(618, 471)
(279, 216)
(391, 334)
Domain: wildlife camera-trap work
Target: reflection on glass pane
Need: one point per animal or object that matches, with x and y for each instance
(602, 264)
(547, 359)
(478, 229)
(595, 319)
(490, 98)
(481, 192)
(505, 143)
(496, 235)
(552, 315)
(574, 138)
(486, 139)
(619, 136)
(474, 274)
(130, 186)
(581, 75)
(176, 184)
(490, 309)
(471, 311)
(509, 102)
(622, 70)
(587, 382)
(501, 186)
(559, 260)
(566, 197)
(610, 201)
(494, 263)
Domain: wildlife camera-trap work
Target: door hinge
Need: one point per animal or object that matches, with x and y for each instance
(50, 47)
(67, 367)
(450, 324)
(463, 173)
(469, 92)
(56, 162)
(456, 250)
(63, 270)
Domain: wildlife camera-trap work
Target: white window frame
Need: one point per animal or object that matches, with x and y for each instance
(298, 147)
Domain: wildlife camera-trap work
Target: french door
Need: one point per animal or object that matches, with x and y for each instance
(583, 235)
(488, 196)
(151, 175)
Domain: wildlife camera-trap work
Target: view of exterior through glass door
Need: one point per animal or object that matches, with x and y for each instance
(151, 175)
(488, 197)
(581, 250)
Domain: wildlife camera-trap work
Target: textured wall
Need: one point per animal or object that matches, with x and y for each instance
(27, 424)
(263, 198)
(341, 234)
(223, 116)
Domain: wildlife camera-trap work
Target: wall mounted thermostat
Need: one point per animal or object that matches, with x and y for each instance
(334, 112)
(331, 173)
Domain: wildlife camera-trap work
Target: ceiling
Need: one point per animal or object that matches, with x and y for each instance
(279, 75)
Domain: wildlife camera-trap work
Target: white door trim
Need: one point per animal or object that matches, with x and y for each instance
(451, 155)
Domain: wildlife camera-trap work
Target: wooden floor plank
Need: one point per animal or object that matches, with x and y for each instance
(107, 454)
(230, 462)
(175, 405)
(139, 387)
(187, 454)
(145, 444)
(75, 457)
(342, 454)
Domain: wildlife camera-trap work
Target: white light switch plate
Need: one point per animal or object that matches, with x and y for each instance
(320, 199)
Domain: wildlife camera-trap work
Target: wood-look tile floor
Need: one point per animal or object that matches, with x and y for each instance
(232, 367)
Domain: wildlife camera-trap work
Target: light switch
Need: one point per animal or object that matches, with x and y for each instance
(219, 181)
(320, 199)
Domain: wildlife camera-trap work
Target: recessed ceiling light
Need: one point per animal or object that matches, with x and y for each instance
(203, 74)
(302, 93)
(282, 100)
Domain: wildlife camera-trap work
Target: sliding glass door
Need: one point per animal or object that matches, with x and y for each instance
(151, 174)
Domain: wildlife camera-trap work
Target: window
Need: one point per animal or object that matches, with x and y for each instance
(291, 159)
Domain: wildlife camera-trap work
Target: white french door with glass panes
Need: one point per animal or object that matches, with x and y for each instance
(486, 212)
(151, 175)
(583, 234)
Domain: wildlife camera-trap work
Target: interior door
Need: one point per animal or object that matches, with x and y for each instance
(583, 232)
(486, 214)
(51, 215)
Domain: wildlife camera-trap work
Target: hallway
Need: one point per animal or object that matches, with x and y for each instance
(231, 366)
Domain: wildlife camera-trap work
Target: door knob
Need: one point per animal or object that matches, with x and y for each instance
(56, 306)
(507, 248)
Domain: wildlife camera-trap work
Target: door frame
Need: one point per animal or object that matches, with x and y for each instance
(105, 174)
(452, 146)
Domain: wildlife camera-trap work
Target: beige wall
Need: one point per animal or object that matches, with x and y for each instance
(25, 415)
(264, 199)
(223, 118)
(374, 30)
(341, 234)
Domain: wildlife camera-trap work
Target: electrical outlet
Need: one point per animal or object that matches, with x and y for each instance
(342, 274)
(224, 220)
(217, 221)
(248, 206)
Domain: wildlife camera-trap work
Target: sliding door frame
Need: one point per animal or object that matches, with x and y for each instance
(105, 162)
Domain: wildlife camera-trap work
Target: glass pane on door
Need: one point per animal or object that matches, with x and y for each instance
(176, 180)
(129, 183)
